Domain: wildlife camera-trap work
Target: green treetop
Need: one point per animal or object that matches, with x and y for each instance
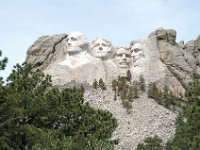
(34, 115)
(102, 85)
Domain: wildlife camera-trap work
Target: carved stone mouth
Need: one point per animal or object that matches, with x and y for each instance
(102, 52)
(71, 47)
(123, 63)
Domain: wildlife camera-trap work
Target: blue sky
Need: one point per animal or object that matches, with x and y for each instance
(120, 21)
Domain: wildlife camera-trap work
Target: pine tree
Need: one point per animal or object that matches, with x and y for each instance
(3, 62)
(102, 85)
(114, 88)
(121, 84)
(34, 115)
(127, 105)
(187, 134)
(151, 143)
(114, 85)
(82, 88)
(128, 75)
(123, 93)
(135, 91)
(153, 91)
(142, 83)
(95, 84)
(130, 95)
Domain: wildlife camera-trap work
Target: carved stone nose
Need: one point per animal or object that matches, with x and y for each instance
(100, 48)
(69, 44)
(124, 56)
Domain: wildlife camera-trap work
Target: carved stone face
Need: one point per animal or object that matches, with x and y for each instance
(123, 58)
(101, 48)
(137, 54)
(75, 42)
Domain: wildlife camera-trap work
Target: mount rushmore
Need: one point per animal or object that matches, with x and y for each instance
(71, 59)
(158, 58)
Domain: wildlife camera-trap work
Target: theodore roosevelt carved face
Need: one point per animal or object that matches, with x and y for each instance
(123, 57)
(75, 42)
(101, 48)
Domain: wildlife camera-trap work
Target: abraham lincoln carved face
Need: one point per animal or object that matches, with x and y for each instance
(137, 54)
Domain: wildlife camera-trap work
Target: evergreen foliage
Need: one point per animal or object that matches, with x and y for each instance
(142, 83)
(102, 85)
(153, 91)
(33, 115)
(3, 62)
(114, 85)
(135, 89)
(131, 94)
(165, 97)
(95, 84)
(187, 135)
(127, 105)
(126, 90)
(128, 75)
(151, 143)
(114, 88)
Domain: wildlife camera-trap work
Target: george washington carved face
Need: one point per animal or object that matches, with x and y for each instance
(101, 48)
(123, 57)
(75, 42)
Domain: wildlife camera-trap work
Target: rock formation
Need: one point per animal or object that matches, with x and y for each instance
(101, 48)
(71, 60)
(158, 58)
(147, 118)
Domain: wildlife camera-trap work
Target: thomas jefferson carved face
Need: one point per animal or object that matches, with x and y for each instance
(101, 48)
(137, 54)
(123, 57)
(75, 42)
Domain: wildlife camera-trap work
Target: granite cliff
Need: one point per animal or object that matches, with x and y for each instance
(158, 58)
(71, 61)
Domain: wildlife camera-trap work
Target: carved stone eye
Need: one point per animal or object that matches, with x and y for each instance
(96, 45)
(104, 45)
(73, 39)
(119, 55)
(136, 50)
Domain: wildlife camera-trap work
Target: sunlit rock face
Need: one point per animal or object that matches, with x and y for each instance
(101, 48)
(137, 53)
(197, 50)
(123, 58)
(139, 59)
(158, 58)
(75, 42)
(71, 60)
(47, 49)
(76, 50)
(146, 60)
